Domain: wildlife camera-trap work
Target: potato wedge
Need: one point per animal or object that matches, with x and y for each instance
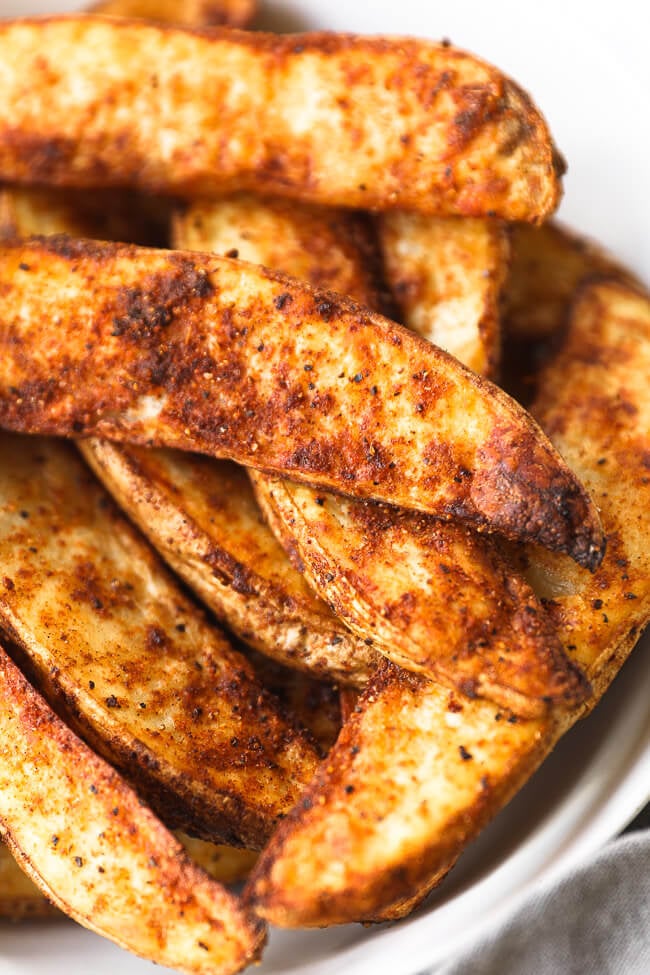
(338, 119)
(331, 249)
(416, 773)
(130, 661)
(433, 597)
(20, 898)
(88, 841)
(446, 275)
(548, 265)
(190, 13)
(204, 353)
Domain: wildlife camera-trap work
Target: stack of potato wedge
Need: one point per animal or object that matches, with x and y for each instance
(307, 596)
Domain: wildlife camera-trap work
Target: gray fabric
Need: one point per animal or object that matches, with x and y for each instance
(595, 921)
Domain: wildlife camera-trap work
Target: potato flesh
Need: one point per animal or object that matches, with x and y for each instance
(335, 119)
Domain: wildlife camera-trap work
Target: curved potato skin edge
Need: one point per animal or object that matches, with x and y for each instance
(517, 484)
(496, 155)
(259, 618)
(145, 832)
(354, 605)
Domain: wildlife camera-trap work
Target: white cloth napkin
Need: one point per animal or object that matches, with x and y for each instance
(593, 921)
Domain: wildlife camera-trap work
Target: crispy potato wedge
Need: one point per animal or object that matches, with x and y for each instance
(191, 13)
(130, 661)
(98, 853)
(204, 353)
(107, 215)
(430, 595)
(594, 402)
(202, 517)
(416, 773)
(434, 597)
(549, 264)
(338, 119)
(446, 275)
(20, 898)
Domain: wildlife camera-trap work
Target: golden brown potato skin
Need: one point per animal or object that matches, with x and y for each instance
(398, 800)
(447, 274)
(338, 119)
(189, 13)
(208, 354)
(131, 662)
(89, 842)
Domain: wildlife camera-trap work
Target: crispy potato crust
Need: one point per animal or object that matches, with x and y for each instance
(190, 13)
(339, 119)
(208, 354)
(416, 773)
(433, 597)
(88, 841)
(130, 661)
(446, 275)
(201, 515)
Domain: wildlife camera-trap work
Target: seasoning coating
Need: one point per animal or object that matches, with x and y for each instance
(89, 842)
(113, 340)
(338, 119)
